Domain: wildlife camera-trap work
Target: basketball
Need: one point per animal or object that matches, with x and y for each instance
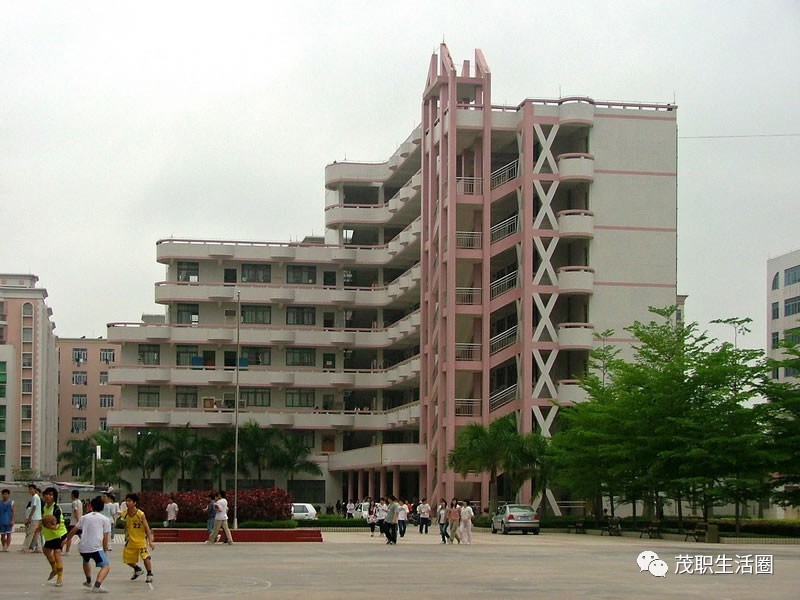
(49, 521)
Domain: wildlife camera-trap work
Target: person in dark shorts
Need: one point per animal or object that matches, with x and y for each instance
(95, 530)
(54, 532)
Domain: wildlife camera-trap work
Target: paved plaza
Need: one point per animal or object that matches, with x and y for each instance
(354, 566)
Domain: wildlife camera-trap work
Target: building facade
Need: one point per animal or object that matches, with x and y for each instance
(783, 307)
(85, 395)
(28, 379)
(460, 280)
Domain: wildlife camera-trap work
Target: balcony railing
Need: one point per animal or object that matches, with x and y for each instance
(469, 239)
(505, 174)
(468, 295)
(502, 285)
(503, 340)
(505, 228)
(468, 351)
(502, 397)
(468, 407)
(469, 186)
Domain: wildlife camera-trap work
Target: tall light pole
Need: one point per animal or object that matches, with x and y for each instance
(236, 417)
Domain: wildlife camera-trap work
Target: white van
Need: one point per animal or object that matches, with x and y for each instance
(362, 510)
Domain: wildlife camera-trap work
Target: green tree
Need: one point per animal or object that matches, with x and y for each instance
(257, 447)
(177, 453)
(78, 456)
(215, 456)
(291, 456)
(141, 453)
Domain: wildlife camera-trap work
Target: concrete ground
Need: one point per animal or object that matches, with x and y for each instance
(355, 566)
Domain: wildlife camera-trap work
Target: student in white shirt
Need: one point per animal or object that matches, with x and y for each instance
(220, 519)
(94, 529)
(466, 522)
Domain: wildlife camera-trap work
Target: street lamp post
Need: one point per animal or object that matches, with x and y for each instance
(236, 418)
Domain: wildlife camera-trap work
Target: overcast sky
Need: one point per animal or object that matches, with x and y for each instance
(123, 123)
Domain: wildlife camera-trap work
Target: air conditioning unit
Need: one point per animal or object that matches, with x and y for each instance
(242, 404)
(228, 397)
(230, 313)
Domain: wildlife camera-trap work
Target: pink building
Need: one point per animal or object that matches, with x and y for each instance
(28, 375)
(85, 395)
(459, 280)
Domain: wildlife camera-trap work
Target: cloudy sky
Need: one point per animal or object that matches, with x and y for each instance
(123, 123)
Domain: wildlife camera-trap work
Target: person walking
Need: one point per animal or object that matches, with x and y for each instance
(402, 518)
(424, 512)
(75, 516)
(172, 512)
(220, 518)
(33, 518)
(54, 533)
(351, 509)
(95, 530)
(210, 512)
(454, 520)
(6, 519)
(137, 537)
(390, 523)
(380, 516)
(112, 512)
(466, 516)
(372, 519)
(441, 518)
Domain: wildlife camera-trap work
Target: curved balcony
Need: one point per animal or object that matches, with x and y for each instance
(570, 392)
(575, 336)
(576, 166)
(354, 172)
(576, 111)
(576, 224)
(576, 280)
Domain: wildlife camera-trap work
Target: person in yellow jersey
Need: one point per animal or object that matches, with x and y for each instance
(137, 537)
(54, 532)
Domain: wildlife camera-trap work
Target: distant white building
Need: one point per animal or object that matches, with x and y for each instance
(783, 306)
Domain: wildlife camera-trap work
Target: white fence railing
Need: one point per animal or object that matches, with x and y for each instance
(502, 285)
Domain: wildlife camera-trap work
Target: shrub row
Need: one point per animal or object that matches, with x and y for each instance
(272, 504)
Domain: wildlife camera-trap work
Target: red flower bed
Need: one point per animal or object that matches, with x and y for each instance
(272, 504)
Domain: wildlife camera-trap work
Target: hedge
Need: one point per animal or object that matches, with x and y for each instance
(272, 504)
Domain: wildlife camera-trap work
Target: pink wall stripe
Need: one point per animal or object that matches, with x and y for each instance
(648, 173)
(626, 228)
(635, 284)
(635, 117)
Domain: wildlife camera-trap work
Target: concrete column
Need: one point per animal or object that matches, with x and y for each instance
(349, 485)
(360, 475)
(396, 481)
(383, 482)
(371, 483)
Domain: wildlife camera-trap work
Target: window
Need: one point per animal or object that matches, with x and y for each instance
(256, 314)
(103, 424)
(26, 412)
(256, 273)
(27, 334)
(78, 425)
(107, 355)
(79, 401)
(149, 354)
(307, 437)
(256, 355)
(792, 336)
(775, 339)
(301, 274)
(106, 401)
(27, 386)
(791, 371)
(25, 438)
(775, 373)
(296, 398)
(188, 314)
(24, 462)
(79, 378)
(188, 271)
(776, 311)
(185, 354)
(791, 276)
(2, 454)
(776, 281)
(103, 377)
(27, 360)
(2, 418)
(79, 355)
(3, 379)
(254, 396)
(791, 306)
(300, 357)
(148, 396)
(301, 315)
(185, 397)
(27, 309)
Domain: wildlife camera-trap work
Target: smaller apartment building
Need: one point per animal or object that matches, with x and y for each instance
(28, 376)
(783, 306)
(85, 395)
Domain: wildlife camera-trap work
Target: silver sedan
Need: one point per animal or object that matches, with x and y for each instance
(516, 517)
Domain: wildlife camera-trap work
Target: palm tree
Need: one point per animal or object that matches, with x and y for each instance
(528, 461)
(141, 453)
(292, 456)
(215, 456)
(177, 453)
(481, 449)
(79, 456)
(256, 446)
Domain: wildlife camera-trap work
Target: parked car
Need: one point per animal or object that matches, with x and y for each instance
(362, 510)
(303, 512)
(515, 517)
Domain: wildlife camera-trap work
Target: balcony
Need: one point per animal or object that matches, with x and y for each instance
(570, 392)
(575, 336)
(502, 285)
(576, 280)
(466, 352)
(469, 240)
(576, 166)
(505, 174)
(502, 397)
(378, 456)
(469, 186)
(576, 224)
(469, 296)
(503, 340)
(505, 229)
(576, 111)
(468, 407)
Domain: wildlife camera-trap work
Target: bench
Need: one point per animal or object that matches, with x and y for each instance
(613, 527)
(699, 533)
(653, 530)
(578, 526)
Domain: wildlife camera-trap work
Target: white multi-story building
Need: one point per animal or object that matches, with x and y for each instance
(458, 281)
(783, 306)
(28, 379)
